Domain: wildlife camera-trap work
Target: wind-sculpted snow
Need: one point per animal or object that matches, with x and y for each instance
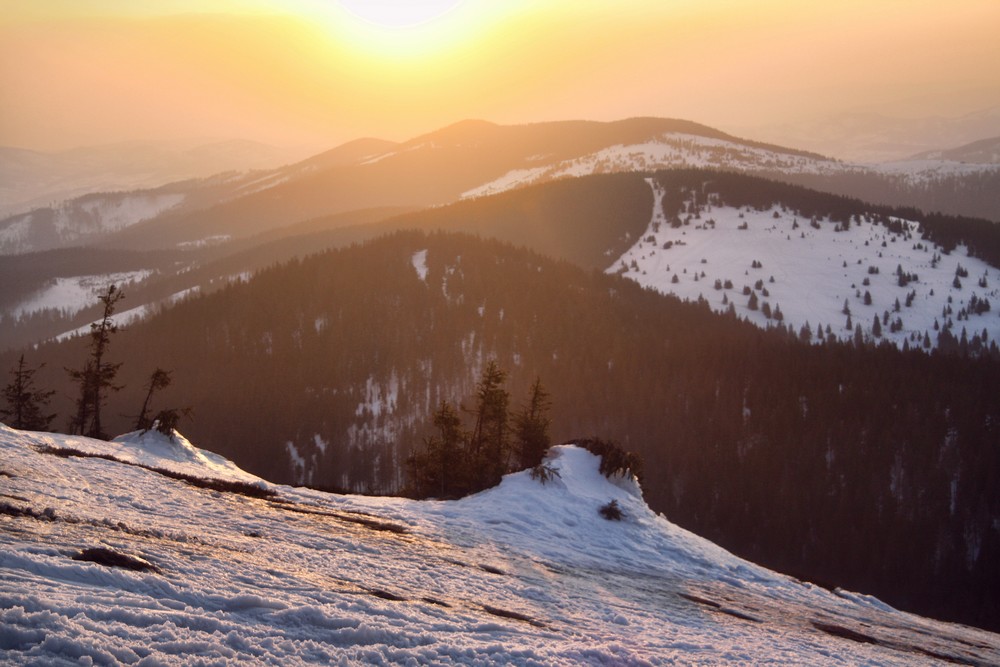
(105, 562)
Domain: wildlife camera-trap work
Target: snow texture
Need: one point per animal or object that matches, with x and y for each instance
(103, 562)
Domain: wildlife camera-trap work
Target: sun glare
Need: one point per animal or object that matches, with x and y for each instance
(399, 13)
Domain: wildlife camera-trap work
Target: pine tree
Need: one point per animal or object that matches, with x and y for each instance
(24, 403)
(97, 376)
(442, 469)
(531, 427)
(490, 439)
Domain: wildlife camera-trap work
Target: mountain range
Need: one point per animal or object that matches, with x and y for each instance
(315, 316)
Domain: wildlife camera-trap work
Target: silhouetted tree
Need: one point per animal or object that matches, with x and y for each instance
(25, 404)
(97, 376)
(441, 469)
(490, 439)
(160, 379)
(531, 427)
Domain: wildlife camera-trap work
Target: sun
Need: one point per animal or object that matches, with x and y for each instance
(399, 13)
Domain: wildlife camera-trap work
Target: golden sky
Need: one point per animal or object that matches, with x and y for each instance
(291, 72)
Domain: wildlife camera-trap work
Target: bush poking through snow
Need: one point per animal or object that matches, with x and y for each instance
(611, 511)
(614, 459)
(166, 420)
(544, 473)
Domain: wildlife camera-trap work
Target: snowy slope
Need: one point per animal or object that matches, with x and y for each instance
(675, 149)
(809, 270)
(521, 574)
(81, 218)
(72, 294)
(130, 316)
(669, 150)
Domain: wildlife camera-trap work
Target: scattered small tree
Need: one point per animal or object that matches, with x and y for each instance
(25, 404)
(611, 511)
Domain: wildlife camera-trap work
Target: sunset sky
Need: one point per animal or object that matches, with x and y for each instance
(320, 72)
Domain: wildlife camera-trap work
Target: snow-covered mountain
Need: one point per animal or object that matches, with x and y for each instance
(81, 219)
(669, 150)
(148, 550)
(469, 159)
(897, 182)
(778, 267)
(32, 179)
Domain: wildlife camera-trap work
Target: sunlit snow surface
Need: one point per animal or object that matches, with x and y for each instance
(522, 574)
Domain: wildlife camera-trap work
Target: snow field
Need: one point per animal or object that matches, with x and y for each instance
(72, 295)
(814, 271)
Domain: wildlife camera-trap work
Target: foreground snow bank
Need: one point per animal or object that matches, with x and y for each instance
(107, 562)
(561, 520)
(174, 452)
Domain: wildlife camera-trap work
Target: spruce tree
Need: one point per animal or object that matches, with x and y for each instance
(490, 440)
(442, 468)
(97, 377)
(531, 427)
(25, 404)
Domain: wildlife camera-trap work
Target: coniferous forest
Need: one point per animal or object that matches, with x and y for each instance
(867, 468)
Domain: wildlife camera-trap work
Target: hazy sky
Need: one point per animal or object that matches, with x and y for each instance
(288, 72)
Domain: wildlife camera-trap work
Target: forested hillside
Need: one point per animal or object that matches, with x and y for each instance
(868, 468)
